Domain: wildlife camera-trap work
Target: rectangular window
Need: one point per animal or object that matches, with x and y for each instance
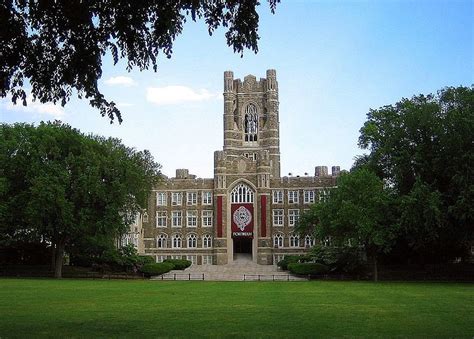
(323, 195)
(191, 217)
(308, 197)
(191, 198)
(277, 197)
(161, 199)
(192, 259)
(176, 198)
(206, 218)
(278, 216)
(176, 257)
(207, 198)
(293, 197)
(176, 217)
(293, 216)
(207, 259)
(160, 258)
(161, 219)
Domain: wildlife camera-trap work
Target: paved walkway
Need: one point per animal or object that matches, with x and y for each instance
(242, 268)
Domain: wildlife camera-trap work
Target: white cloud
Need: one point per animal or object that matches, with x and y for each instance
(121, 81)
(49, 108)
(169, 95)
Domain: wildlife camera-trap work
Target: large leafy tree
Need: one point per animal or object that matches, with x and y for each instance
(58, 45)
(358, 213)
(423, 147)
(64, 187)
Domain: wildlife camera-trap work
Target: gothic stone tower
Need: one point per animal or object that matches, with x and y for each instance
(247, 210)
(243, 169)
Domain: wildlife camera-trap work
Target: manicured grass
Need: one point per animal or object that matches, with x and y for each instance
(93, 308)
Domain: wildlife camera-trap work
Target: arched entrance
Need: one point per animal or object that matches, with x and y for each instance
(242, 221)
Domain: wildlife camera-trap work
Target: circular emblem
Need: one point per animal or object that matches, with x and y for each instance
(242, 217)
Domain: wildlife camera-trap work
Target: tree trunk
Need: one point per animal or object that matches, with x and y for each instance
(53, 257)
(58, 260)
(374, 267)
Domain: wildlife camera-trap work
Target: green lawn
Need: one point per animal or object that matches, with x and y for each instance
(93, 308)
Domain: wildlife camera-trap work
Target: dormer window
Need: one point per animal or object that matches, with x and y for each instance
(251, 123)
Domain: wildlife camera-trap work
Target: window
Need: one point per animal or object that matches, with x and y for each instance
(309, 241)
(161, 219)
(191, 198)
(277, 197)
(251, 123)
(207, 259)
(207, 198)
(323, 195)
(278, 216)
(160, 258)
(277, 258)
(176, 241)
(293, 197)
(278, 241)
(192, 241)
(206, 218)
(176, 257)
(176, 218)
(161, 199)
(294, 240)
(241, 194)
(145, 217)
(207, 241)
(293, 216)
(161, 241)
(192, 259)
(308, 197)
(176, 198)
(191, 217)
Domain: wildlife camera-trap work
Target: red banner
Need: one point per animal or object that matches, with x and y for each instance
(242, 220)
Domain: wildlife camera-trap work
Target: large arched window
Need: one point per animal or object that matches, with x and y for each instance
(251, 123)
(192, 241)
(241, 194)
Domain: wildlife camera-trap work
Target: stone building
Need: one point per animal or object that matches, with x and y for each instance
(247, 208)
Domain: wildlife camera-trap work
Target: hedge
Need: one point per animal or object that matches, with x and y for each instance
(179, 264)
(307, 268)
(288, 259)
(157, 269)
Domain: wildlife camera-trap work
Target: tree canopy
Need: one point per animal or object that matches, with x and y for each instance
(423, 147)
(58, 45)
(64, 187)
(358, 213)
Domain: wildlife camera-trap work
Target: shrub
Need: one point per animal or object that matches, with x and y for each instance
(145, 259)
(342, 259)
(179, 264)
(157, 269)
(288, 259)
(307, 268)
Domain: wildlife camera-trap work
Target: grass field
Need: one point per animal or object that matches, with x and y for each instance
(93, 308)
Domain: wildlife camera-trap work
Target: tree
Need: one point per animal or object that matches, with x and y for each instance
(63, 186)
(423, 147)
(359, 212)
(58, 46)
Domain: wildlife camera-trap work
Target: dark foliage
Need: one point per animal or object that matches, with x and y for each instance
(179, 264)
(58, 46)
(307, 268)
(156, 269)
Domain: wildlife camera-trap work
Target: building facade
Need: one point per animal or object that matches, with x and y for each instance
(247, 207)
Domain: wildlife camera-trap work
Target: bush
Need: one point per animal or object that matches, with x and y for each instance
(288, 259)
(157, 269)
(307, 268)
(179, 264)
(145, 259)
(342, 259)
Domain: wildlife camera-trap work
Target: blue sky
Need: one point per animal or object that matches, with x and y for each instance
(335, 60)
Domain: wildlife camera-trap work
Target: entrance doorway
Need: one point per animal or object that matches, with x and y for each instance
(242, 248)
